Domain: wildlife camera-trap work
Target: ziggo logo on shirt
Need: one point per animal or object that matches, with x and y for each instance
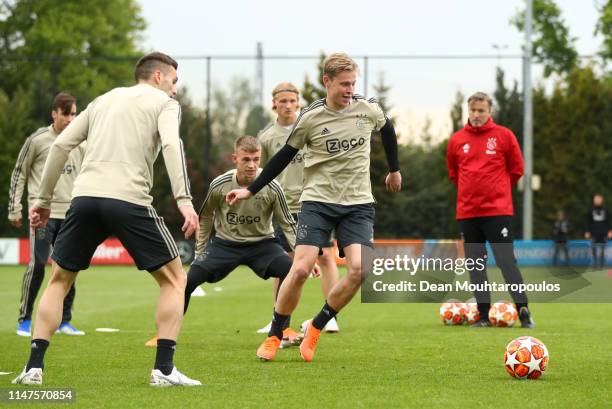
(235, 218)
(336, 145)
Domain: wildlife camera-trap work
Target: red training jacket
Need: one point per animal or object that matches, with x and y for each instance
(484, 163)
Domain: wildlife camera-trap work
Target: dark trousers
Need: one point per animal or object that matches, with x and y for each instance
(559, 247)
(41, 241)
(497, 230)
(598, 248)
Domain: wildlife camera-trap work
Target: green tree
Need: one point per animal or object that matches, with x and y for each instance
(46, 47)
(311, 91)
(15, 119)
(256, 120)
(604, 27)
(456, 113)
(379, 167)
(508, 111)
(573, 148)
(552, 44)
(508, 105)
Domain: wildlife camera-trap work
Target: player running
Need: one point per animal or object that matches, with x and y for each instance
(337, 194)
(286, 102)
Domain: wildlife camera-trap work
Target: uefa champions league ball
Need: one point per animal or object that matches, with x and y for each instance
(503, 314)
(452, 312)
(472, 314)
(526, 358)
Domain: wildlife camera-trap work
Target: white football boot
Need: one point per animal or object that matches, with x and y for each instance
(31, 377)
(174, 379)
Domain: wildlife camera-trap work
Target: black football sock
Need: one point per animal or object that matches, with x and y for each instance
(287, 323)
(165, 353)
(326, 314)
(278, 324)
(37, 354)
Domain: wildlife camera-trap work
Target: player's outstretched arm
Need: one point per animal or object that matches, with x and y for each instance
(393, 181)
(274, 167)
(236, 195)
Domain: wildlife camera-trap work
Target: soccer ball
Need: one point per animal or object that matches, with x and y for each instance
(503, 314)
(526, 358)
(452, 312)
(471, 312)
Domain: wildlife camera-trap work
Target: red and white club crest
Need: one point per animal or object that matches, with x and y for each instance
(491, 144)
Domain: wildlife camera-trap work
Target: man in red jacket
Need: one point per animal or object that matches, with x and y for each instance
(484, 161)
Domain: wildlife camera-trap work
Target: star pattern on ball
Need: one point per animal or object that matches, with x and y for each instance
(533, 364)
(511, 360)
(526, 358)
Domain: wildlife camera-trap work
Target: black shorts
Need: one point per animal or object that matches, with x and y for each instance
(494, 229)
(280, 235)
(354, 224)
(90, 220)
(221, 257)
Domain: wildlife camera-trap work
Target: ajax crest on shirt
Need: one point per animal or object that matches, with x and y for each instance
(491, 145)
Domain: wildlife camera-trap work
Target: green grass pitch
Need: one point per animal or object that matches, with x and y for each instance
(386, 355)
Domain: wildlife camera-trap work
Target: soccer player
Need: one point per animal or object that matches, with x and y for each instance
(286, 102)
(599, 230)
(484, 161)
(29, 167)
(243, 235)
(125, 130)
(560, 237)
(336, 196)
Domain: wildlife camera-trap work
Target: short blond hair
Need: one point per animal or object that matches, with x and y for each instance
(336, 63)
(285, 87)
(480, 96)
(247, 143)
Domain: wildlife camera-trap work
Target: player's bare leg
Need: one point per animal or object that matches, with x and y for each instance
(347, 286)
(49, 311)
(172, 281)
(329, 277)
(47, 320)
(291, 290)
(329, 270)
(339, 296)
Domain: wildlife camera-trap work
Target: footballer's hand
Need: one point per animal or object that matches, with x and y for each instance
(587, 235)
(192, 222)
(316, 271)
(38, 217)
(610, 234)
(393, 181)
(16, 223)
(236, 195)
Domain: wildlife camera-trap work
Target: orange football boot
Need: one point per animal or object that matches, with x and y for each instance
(308, 345)
(267, 350)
